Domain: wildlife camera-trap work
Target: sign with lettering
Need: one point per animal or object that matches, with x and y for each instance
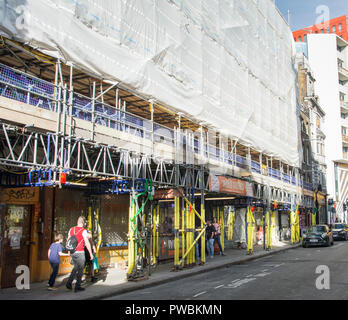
(167, 194)
(234, 186)
(28, 195)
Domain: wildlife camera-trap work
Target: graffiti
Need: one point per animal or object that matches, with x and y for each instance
(22, 194)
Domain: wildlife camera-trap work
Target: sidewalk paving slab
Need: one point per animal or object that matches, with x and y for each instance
(113, 282)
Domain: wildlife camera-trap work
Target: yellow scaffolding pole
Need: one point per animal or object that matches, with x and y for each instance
(193, 258)
(222, 236)
(176, 231)
(183, 233)
(250, 230)
(230, 225)
(314, 219)
(131, 239)
(292, 226)
(157, 231)
(203, 234)
(89, 219)
(297, 226)
(270, 227)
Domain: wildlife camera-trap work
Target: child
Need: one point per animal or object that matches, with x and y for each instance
(54, 253)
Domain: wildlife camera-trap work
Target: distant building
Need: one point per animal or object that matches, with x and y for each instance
(328, 58)
(335, 26)
(312, 137)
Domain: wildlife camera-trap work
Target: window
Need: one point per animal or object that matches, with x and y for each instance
(333, 28)
(328, 30)
(316, 31)
(340, 27)
(322, 31)
(343, 115)
(300, 38)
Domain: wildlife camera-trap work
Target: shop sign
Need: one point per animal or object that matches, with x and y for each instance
(235, 186)
(167, 194)
(21, 195)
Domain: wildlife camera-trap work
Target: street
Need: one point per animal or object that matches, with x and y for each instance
(290, 275)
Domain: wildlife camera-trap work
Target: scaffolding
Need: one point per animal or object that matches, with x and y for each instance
(85, 114)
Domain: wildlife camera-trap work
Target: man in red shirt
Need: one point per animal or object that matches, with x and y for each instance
(78, 257)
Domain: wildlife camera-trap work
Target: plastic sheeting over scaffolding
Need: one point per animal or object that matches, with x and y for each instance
(227, 64)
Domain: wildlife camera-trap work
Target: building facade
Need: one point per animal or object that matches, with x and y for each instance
(331, 90)
(312, 119)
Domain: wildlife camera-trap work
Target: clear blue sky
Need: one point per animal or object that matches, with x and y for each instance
(303, 12)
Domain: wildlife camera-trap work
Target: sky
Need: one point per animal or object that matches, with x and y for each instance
(305, 13)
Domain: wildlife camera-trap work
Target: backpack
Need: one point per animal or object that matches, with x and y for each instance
(72, 243)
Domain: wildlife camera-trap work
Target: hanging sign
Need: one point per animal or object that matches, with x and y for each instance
(228, 185)
(29, 195)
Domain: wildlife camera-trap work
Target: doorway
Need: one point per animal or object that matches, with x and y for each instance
(16, 242)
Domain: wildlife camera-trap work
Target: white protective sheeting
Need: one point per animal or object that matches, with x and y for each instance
(224, 62)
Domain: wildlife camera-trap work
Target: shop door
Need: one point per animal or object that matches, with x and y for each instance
(16, 242)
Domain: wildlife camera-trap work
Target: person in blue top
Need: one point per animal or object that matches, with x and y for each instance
(54, 253)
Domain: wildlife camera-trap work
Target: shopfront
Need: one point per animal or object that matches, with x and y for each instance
(19, 216)
(108, 215)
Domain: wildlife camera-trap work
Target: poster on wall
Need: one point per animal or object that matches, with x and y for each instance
(15, 236)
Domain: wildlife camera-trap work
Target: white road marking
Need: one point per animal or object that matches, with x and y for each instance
(263, 274)
(199, 294)
(219, 286)
(272, 265)
(235, 280)
(240, 283)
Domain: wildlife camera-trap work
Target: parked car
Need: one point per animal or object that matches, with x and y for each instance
(317, 235)
(339, 231)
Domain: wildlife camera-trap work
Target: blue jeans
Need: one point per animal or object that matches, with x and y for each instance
(217, 238)
(55, 268)
(210, 246)
(197, 249)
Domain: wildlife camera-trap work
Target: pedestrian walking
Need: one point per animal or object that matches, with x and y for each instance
(217, 235)
(210, 230)
(54, 253)
(78, 253)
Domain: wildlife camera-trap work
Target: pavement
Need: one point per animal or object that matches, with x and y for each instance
(112, 282)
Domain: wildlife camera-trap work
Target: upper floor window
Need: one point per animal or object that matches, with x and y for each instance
(334, 29)
(300, 38)
(322, 31)
(328, 30)
(340, 27)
